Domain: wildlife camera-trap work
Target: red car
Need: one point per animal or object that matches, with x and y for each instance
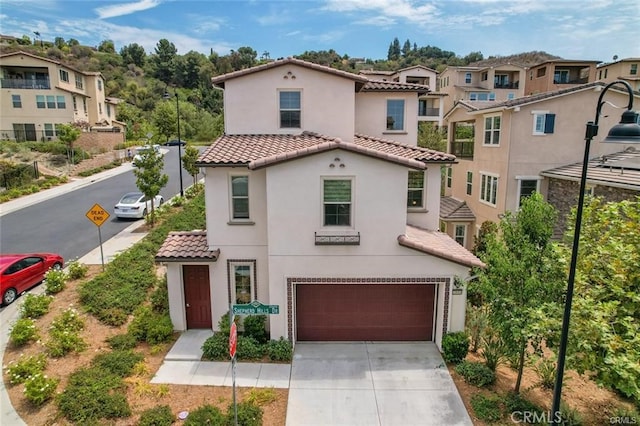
(20, 272)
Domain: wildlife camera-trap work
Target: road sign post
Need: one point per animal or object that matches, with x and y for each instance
(233, 341)
(98, 216)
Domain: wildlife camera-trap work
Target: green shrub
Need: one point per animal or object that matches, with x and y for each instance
(205, 415)
(261, 396)
(493, 351)
(93, 394)
(570, 416)
(119, 362)
(455, 346)
(487, 408)
(39, 388)
(546, 369)
(476, 373)
(122, 341)
(24, 330)
(25, 367)
(216, 347)
(77, 270)
(35, 306)
(248, 414)
(476, 324)
(254, 326)
(55, 281)
(151, 327)
(160, 298)
(249, 348)
(64, 334)
(280, 350)
(516, 405)
(157, 416)
(68, 320)
(224, 324)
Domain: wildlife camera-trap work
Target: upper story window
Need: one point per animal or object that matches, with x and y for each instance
(488, 188)
(64, 76)
(469, 182)
(606, 71)
(51, 102)
(99, 85)
(561, 76)
(79, 82)
(449, 176)
(543, 123)
(541, 72)
(485, 76)
(239, 197)
(17, 101)
(634, 69)
(492, 130)
(40, 101)
(84, 104)
(61, 102)
(75, 103)
(460, 234)
(336, 201)
(482, 96)
(467, 78)
(395, 114)
(290, 109)
(415, 194)
(526, 187)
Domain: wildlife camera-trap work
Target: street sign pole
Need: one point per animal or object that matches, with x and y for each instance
(101, 252)
(233, 340)
(98, 216)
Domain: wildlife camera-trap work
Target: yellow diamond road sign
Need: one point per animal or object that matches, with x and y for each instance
(97, 215)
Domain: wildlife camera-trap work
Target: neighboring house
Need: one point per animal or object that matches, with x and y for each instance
(38, 94)
(317, 203)
(613, 177)
(482, 84)
(557, 74)
(623, 69)
(513, 143)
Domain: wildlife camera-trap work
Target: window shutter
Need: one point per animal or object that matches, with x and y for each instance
(549, 122)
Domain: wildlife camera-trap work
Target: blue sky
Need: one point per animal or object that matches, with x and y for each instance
(572, 29)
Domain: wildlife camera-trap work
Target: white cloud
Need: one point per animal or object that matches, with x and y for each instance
(125, 8)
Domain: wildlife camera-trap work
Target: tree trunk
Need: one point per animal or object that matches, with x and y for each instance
(520, 368)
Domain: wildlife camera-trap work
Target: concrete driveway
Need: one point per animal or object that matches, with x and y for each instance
(367, 383)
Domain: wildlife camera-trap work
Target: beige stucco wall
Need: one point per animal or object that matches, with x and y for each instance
(251, 103)
(371, 116)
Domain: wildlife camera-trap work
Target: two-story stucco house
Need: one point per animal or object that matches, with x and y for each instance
(623, 69)
(514, 142)
(319, 201)
(38, 94)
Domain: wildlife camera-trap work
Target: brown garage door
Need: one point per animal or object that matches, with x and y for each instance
(364, 311)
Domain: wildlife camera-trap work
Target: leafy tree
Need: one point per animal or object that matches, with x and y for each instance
(68, 134)
(164, 61)
(394, 50)
(473, 57)
(406, 48)
(149, 177)
(106, 46)
(432, 137)
(523, 278)
(59, 42)
(189, 158)
(245, 57)
(133, 54)
(164, 119)
(188, 69)
(604, 336)
(73, 42)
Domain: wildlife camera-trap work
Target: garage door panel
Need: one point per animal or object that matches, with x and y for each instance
(364, 311)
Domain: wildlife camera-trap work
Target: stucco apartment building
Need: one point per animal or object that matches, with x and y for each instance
(318, 203)
(37, 94)
(558, 74)
(514, 142)
(623, 69)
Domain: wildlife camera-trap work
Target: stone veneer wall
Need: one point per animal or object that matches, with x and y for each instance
(563, 195)
(99, 142)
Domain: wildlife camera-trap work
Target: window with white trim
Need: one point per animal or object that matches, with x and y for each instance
(75, 103)
(469, 182)
(336, 202)
(543, 123)
(488, 188)
(64, 76)
(492, 130)
(460, 234)
(49, 130)
(290, 109)
(51, 102)
(61, 102)
(467, 78)
(239, 197)
(395, 114)
(79, 82)
(17, 101)
(633, 70)
(526, 187)
(242, 281)
(415, 192)
(99, 85)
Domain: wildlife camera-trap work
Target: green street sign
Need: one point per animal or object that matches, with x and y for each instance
(255, 308)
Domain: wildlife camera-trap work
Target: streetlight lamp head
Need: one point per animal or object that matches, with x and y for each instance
(625, 132)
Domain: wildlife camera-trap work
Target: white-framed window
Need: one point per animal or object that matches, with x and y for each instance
(64, 76)
(467, 78)
(49, 130)
(79, 82)
(633, 70)
(75, 103)
(61, 102)
(290, 109)
(482, 96)
(492, 130)
(460, 234)
(511, 96)
(449, 176)
(395, 114)
(84, 104)
(527, 185)
(239, 189)
(17, 101)
(337, 197)
(416, 189)
(51, 102)
(469, 182)
(242, 279)
(40, 102)
(543, 122)
(488, 188)
(99, 85)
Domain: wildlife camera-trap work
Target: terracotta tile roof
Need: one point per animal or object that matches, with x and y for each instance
(257, 151)
(186, 247)
(394, 86)
(452, 209)
(438, 244)
(220, 79)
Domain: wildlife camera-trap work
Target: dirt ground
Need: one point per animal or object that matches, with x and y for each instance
(594, 403)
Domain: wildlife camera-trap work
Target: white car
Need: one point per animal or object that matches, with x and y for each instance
(135, 205)
(143, 149)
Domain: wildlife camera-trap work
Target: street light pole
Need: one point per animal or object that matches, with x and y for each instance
(167, 96)
(627, 131)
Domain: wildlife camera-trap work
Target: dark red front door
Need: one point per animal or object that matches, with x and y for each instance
(364, 312)
(197, 295)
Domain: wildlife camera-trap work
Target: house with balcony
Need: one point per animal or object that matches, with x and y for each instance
(558, 74)
(429, 102)
(38, 94)
(481, 84)
(622, 69)
(505, 151)
(320, 203)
